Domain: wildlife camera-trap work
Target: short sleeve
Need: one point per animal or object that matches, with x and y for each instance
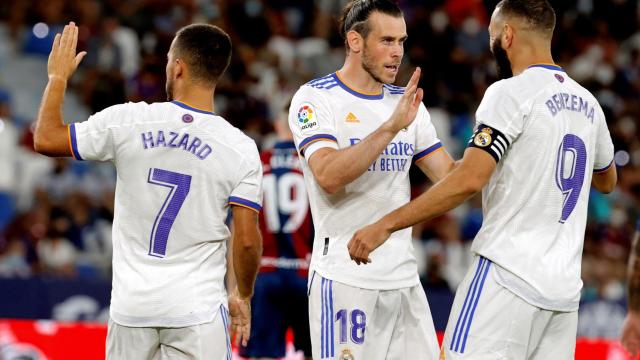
(604, 146)
(311, 122)
(248, 191)
(499, 122)
(427, 142)
(93, 139)
(500, 111)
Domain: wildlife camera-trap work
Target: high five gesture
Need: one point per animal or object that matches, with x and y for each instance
(63, 60)
(51, 135)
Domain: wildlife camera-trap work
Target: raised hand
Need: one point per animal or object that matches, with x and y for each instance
(407, 108)
(240, 312)
(63, 60)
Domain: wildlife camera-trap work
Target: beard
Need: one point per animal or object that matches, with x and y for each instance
(168, 87)
(503, 65)
(369, 66)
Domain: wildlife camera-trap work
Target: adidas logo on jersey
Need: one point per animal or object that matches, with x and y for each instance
(351, 118)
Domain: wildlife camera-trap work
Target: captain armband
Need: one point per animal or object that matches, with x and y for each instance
(490, 140)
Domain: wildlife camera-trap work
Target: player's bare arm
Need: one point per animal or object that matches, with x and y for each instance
(436, 165)
(51, 134)
(605, 181)
(630, 337)
(465, 180)
(333, 169)
(230, 277)
(247, 249)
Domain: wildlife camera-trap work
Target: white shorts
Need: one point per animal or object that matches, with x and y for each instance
(349, 323)
(488, 321)
(204, 341)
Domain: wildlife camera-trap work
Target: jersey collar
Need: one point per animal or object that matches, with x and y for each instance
(347, 88)
(547, 66)
(191, 108)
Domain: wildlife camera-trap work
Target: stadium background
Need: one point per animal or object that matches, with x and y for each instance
(55, 214)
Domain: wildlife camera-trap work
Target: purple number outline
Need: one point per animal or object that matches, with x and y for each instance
(358, 321)
(342, 317)
(179, 185)
(571, 186)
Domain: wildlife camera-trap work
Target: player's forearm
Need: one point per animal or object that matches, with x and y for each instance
(339, 168)
(50, 136)
(605, 181)
(445, 195)
(247, 249)
(437, 165)
(633, 275)
(231, 283)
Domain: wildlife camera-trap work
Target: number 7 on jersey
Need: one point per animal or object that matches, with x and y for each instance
(179, 185)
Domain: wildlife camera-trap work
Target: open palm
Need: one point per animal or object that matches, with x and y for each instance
(407, 108)
(63, 60)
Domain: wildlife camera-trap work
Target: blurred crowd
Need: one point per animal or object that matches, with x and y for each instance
(55, 215)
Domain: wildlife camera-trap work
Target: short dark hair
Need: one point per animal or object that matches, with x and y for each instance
(356, 13)
(539, 14)
(206, 49)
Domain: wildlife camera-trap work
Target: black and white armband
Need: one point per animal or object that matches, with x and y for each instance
(490, 140)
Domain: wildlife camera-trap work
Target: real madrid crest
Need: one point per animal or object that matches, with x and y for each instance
(483, 138)
(346, 355)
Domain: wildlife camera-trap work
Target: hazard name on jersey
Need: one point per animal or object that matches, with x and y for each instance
(192, 144)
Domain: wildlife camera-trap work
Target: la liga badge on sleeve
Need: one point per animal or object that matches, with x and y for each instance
(307, 117)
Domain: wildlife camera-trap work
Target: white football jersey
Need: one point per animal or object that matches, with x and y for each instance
(179, 169)
(327, 113)
(553, 136)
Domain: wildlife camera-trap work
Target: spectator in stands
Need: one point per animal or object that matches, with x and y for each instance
(13, 262)
(56, 253)
(8, 166)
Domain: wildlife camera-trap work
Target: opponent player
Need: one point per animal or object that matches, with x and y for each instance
(180, 167)
(630, 337)
(280, 297)
(541, 139)
(358, 139)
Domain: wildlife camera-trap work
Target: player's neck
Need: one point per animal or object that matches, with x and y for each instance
(355, 77)
(196, 97)
(531, 56)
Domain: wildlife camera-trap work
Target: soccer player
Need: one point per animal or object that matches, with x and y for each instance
(630, 337)
(357, 138)
(541, 140)
(180, 168)
(280, 297)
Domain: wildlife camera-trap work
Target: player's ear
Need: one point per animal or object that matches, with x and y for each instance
(179, 69)
(355, 41)
(507, 36)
